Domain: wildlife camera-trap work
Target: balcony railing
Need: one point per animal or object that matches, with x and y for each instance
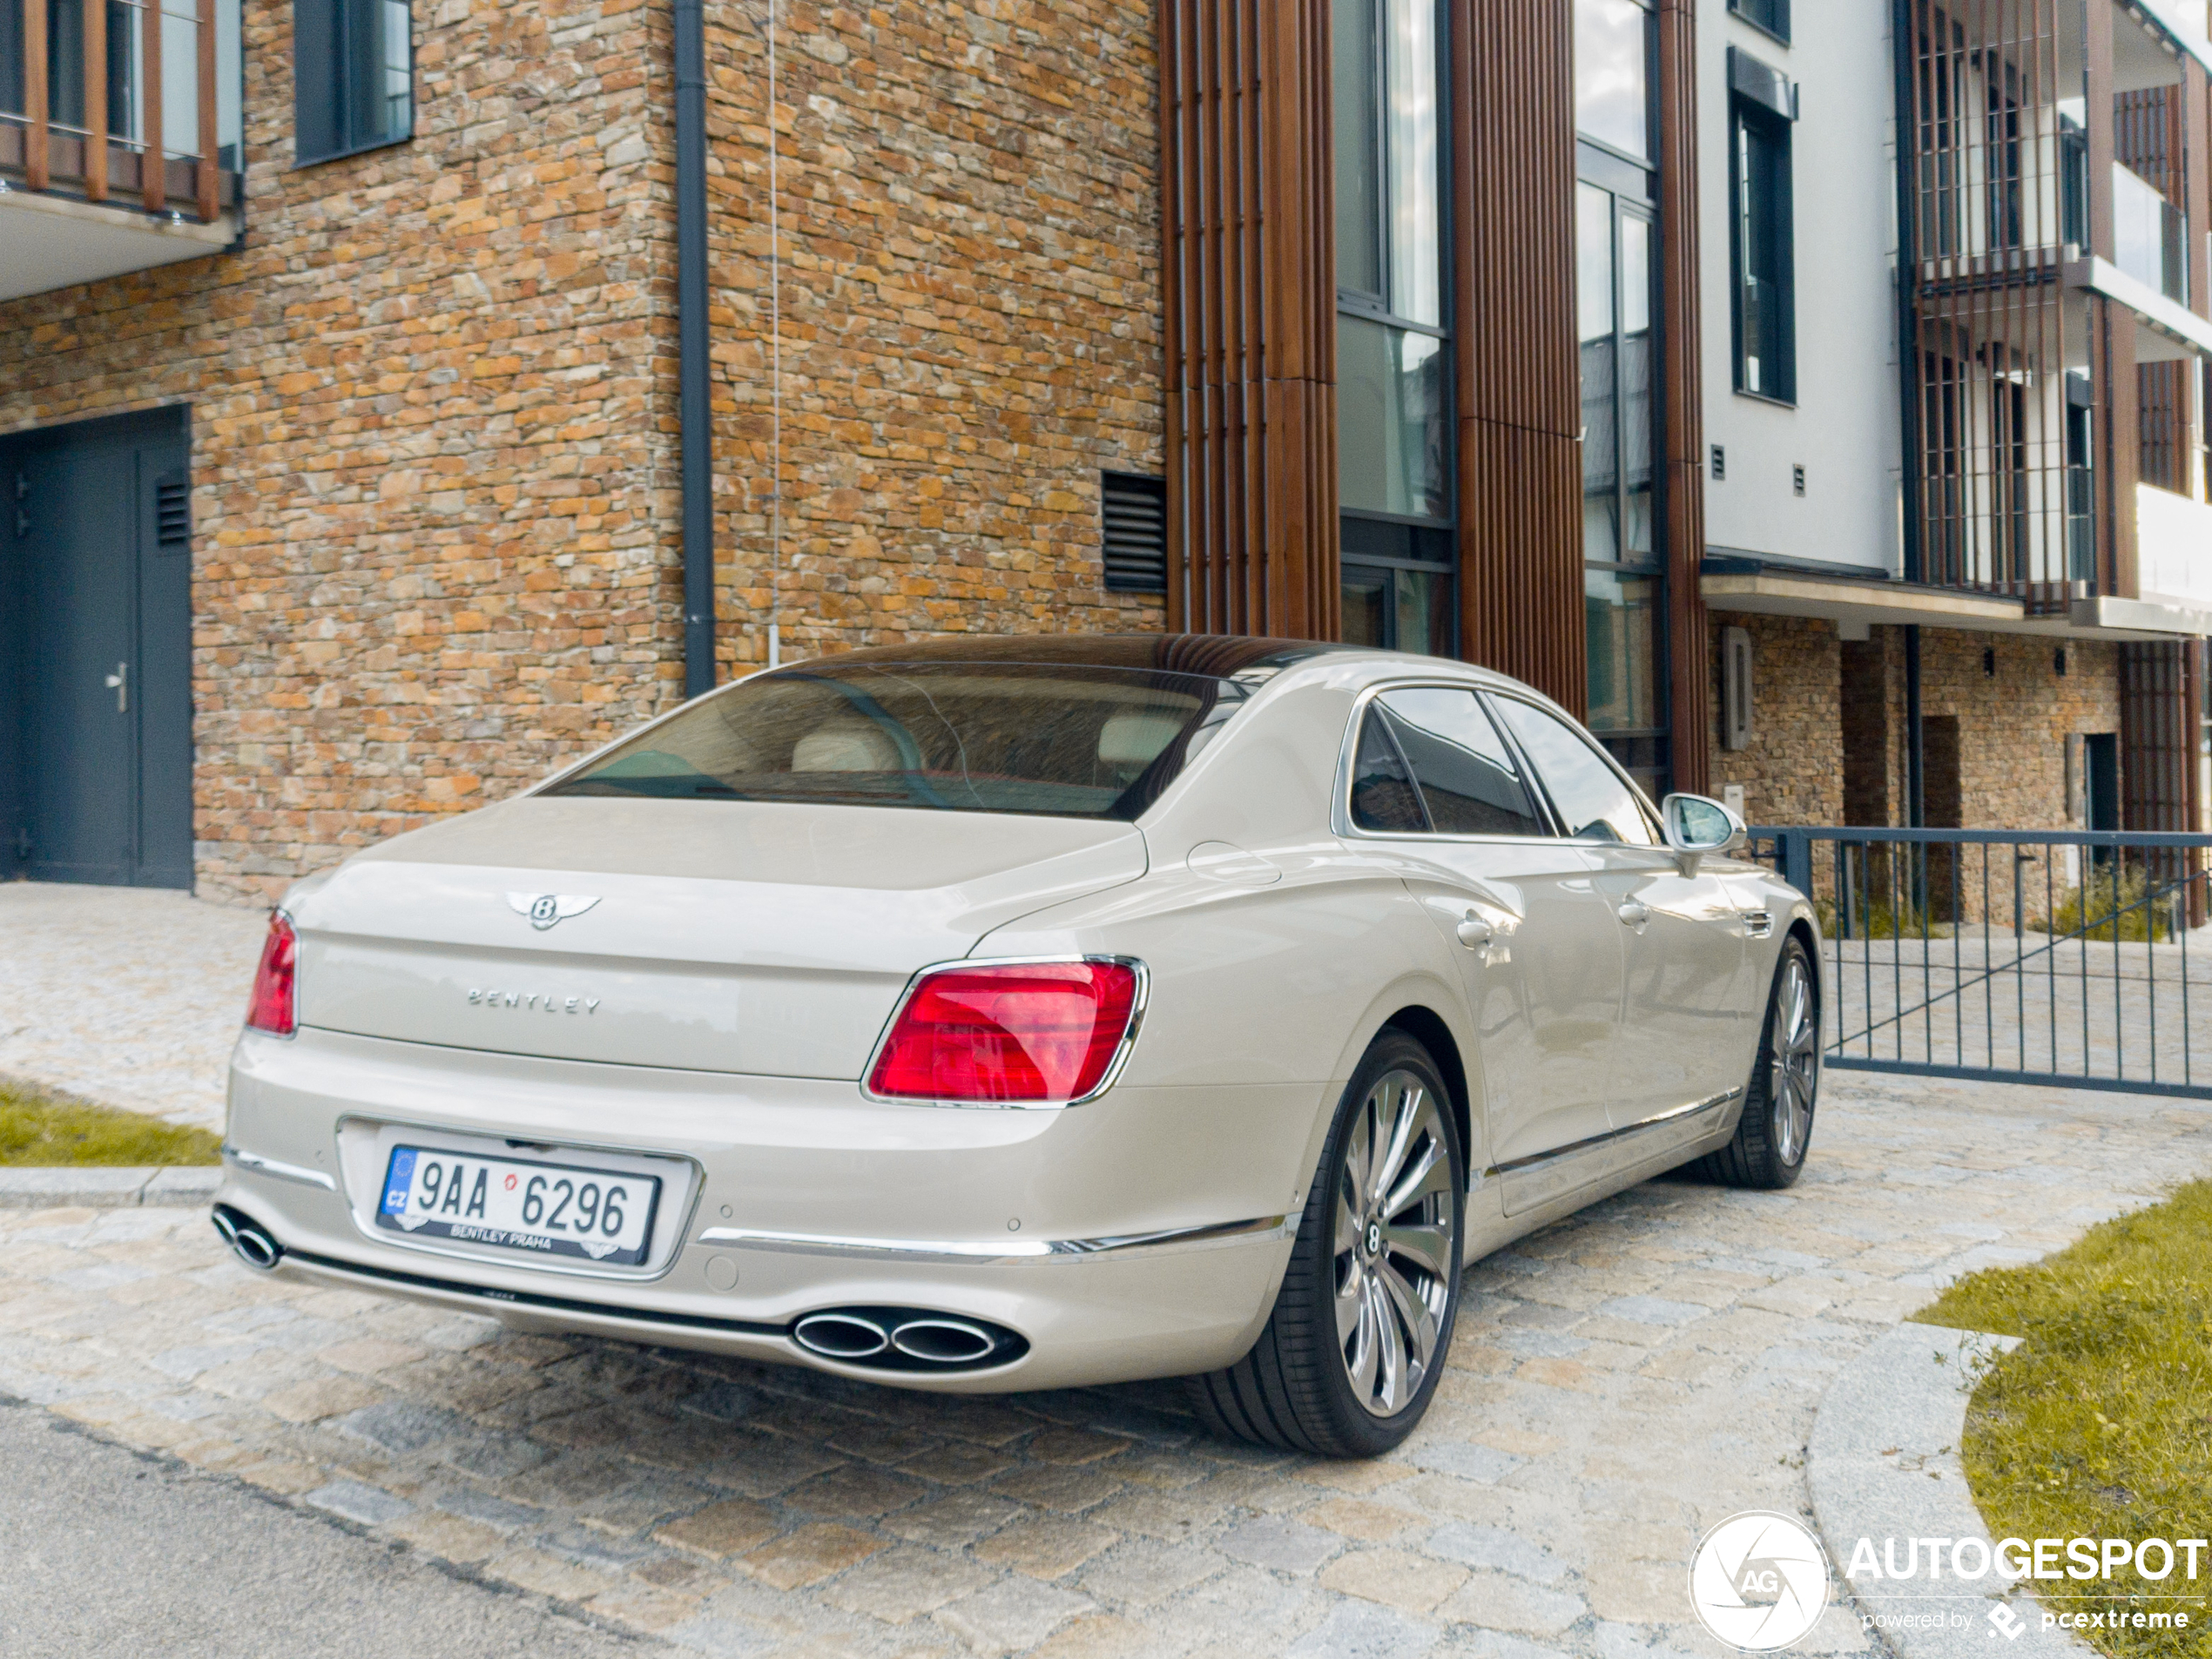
(121, 101)
(2150, 235)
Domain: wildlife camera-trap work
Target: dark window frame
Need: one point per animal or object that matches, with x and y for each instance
(326, 125)
(1747, 118)
(1775, 26)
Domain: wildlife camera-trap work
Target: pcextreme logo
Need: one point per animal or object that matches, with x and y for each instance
(1759, 1580)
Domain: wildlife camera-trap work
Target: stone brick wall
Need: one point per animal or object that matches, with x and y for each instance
(434, 492)
(1791, 771)
(971, 322)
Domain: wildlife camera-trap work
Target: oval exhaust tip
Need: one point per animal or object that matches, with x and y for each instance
(943, 1342)
(248, 1241)
(840, 1336)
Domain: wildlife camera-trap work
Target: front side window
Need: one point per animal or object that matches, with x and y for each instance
(1051, 739)
(1591, 800)
(1395, 394)
(1761, 250)
(353, 66)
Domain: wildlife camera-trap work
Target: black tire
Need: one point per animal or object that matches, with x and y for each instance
(1297, 1388)
(1769, 1153)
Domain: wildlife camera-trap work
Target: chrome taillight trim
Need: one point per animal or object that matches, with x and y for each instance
(1140, 1001)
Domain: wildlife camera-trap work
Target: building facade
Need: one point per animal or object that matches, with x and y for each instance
(467, 381)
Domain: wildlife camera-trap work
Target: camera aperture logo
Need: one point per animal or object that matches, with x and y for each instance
(1759, 1580)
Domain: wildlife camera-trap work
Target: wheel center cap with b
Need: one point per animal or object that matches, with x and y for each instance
(1374, 1238)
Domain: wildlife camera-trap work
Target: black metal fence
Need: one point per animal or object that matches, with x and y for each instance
(2075, 957)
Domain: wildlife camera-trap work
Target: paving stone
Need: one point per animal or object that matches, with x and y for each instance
(1396, 1577)
(1282, 1545)
(1501, 1601)
(1357, 1517)
(1358, 1630)
(321, 1397)
(1141, 1572)
(400, 1426)
(809, 1554)
(371, 1506)
(1045, 1546)
(953, 1521)
(1013, 1614)
(1474, 1545)
(489, 1511)
(722, 1529)
(723, 1638)
(905, 1583)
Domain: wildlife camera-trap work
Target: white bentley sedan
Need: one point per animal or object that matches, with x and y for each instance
(1022, 1013)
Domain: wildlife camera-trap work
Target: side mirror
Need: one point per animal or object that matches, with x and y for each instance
(1696, 826)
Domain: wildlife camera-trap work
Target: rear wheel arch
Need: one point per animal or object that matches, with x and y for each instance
(1427, 1026)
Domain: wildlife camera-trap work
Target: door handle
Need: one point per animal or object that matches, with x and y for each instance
(119, 683)
(1634, 912)
(1474, 933)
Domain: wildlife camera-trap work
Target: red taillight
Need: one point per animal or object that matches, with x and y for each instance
(1036, 1031)
(271, 1008)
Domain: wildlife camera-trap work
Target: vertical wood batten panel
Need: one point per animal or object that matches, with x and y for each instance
(1682, 424)
(95, 100)
(1250, 352)
(153, 173)
(1520, 532)
(37, 149)
(204, 179)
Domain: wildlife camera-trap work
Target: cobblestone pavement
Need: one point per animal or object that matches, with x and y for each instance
(1620, 1381)
(128, 996)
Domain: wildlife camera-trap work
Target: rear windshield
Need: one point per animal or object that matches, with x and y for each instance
(1062, 741)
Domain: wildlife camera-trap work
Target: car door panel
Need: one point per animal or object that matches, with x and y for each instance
(1682, 940)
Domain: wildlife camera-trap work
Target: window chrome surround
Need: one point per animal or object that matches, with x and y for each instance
(1340, 819)
(1014, 1251)
(1113, 1067)
(564, 1267)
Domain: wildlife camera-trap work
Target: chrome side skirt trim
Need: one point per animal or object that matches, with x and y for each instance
(261, 1165)
(1013, 1249)
(1711, 1102)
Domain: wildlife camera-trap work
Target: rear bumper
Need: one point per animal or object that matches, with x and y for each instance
(1143, 1236)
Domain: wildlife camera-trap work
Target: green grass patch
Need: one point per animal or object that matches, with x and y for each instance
(36, 1132)
(2100, 1424)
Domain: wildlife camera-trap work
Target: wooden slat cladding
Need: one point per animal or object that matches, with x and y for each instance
(1682, 427)
(1520, 398)
(1250, 288)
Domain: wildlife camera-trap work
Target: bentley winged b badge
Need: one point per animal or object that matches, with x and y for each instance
(545, 909)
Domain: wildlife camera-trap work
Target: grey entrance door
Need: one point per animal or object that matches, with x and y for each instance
(95, 558)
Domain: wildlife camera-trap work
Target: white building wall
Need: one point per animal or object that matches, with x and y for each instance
(1843, 428)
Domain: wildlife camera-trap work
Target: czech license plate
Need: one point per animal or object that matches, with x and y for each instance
(542, 1209)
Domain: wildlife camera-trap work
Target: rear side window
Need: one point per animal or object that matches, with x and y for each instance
(1431, 762)
(1588, 795)
(1052, 739)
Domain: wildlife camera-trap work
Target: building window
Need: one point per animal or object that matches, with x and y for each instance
(1616, 244)
(1771, 16)
(1761, 242)
(1393, 347)
(1613, 75)
(354, 68)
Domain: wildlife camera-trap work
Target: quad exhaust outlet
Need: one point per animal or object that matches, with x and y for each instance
(907, 1339)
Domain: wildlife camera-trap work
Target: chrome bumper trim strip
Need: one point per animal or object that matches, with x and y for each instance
(261, 1165)
(1513, 1165)
(1013, 1249)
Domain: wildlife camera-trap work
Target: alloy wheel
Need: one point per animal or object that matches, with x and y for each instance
(1795, 1059)
(1393, 1241)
